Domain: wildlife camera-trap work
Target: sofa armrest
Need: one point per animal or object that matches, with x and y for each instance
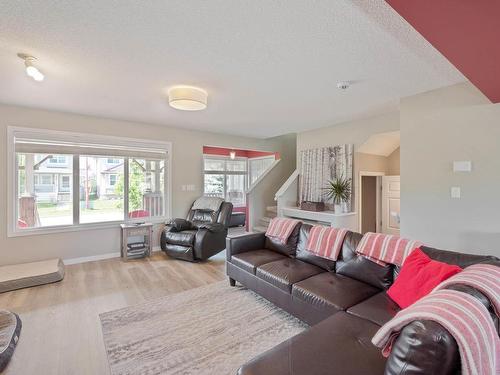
(212, 227)
(178, 225)
(423, 347)
(241, 244)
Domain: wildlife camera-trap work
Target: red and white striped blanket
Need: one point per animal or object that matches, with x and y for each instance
(467, 320)
(326, 242)
(281, 228)
(483, 277)
(386, 249)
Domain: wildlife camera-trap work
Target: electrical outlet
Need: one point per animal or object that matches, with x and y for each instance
(455, 192)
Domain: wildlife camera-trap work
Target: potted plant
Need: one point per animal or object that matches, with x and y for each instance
(338, 190)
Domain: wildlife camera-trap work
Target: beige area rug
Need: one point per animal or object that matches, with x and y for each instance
(209, 330)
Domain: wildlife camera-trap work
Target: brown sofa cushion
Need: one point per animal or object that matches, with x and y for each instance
(250, 260)
(328, 289)
(460, 259)
(306, 256)
(378, 309)
(340, 344)
(283, 273)
(358, 267)
(290, 246)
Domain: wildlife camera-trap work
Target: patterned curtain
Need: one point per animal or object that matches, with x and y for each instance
(318, 166)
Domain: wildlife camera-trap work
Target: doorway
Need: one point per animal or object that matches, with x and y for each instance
(379, 203)
(370, 188)
(390, 204)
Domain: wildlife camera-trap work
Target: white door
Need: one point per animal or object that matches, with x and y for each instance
(390, 204)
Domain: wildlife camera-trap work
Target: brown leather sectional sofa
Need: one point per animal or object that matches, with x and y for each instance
(345, 304)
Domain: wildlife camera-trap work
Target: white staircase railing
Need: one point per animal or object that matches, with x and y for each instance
(287, 195)
(259, 196)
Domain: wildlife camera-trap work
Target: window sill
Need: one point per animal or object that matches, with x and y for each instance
(81, 227)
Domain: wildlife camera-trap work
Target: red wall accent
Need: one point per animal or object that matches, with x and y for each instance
(466, 32)
(223, 151)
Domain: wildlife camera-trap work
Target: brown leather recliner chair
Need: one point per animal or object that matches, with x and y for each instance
(200, 236)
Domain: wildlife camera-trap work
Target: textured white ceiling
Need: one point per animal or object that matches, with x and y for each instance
(270, 67)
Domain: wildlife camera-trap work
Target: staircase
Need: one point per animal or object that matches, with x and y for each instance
(271, 211)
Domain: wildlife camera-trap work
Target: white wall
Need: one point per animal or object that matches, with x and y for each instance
(394, 163)
(186, 164)
(438, 127)
(355, 132)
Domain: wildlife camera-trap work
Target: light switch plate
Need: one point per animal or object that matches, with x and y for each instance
(455, 192)
(462, 166)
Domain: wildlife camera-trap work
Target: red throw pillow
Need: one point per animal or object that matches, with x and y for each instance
(418, 277)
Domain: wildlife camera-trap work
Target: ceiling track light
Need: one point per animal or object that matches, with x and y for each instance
(31, 70)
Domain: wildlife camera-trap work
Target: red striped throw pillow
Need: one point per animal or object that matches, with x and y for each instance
(326, 242)
(281, 228)
(386, 249)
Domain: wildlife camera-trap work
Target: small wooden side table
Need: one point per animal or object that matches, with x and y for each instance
(137, 240)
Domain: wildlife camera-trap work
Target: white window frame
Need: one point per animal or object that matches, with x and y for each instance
(83, 138)
(225, 172)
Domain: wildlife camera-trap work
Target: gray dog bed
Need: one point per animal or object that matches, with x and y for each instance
(30, 274)
(10, 328)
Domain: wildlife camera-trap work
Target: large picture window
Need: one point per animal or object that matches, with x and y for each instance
(99, 200)
(67, 181)
(226, 178)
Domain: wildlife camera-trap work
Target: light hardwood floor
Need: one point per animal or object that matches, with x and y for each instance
(61, 329)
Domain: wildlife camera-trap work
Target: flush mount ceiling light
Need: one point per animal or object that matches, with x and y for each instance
(31, 69)
(187, 98)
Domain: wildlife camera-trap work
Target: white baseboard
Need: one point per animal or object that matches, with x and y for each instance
(93, 258)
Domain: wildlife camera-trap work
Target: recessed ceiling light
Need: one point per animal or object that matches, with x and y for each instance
(31, 69)
(187, 98)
